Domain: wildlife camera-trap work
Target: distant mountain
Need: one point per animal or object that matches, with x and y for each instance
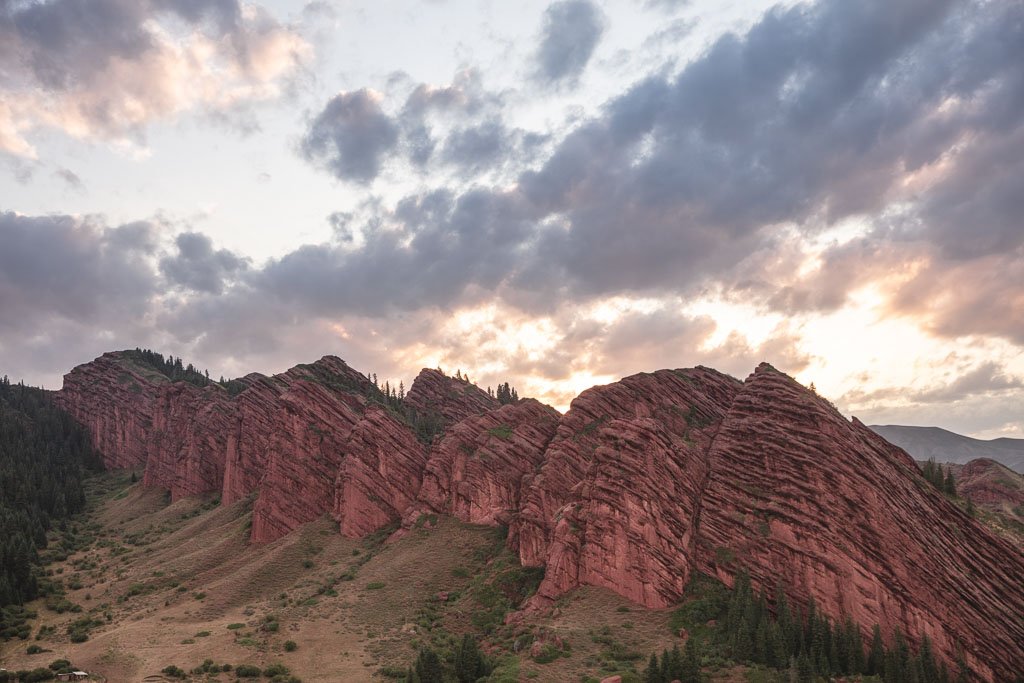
(946, 446)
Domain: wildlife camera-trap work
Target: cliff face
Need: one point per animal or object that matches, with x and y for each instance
(798, 494)
(641, 483)
(628, 521)
(113, 398)
(475, 471)
(435, 393)
(675, 400)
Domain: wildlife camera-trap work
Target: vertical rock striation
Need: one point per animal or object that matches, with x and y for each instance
(476, 469)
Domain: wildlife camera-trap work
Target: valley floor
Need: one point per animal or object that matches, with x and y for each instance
(176, 584)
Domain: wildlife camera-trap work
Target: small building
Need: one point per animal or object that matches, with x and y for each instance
(73, 676)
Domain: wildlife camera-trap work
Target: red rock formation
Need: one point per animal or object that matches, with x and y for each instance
(380, 475)
(798, 494)
(434, 392)
(641, 483)
(681, 400)
(303, 455)
(188, 438)
(113, 398)
(476, 468)
(989, 484)
(652, 477)
(292, 439)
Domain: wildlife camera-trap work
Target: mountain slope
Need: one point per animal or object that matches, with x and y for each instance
(945, 446)
(641, 485)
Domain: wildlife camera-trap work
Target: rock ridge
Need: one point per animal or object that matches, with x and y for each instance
(641, 483)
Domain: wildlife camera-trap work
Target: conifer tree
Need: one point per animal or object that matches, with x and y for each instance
(428, 667)
(652, 674)
(876, 659)
(949, 486)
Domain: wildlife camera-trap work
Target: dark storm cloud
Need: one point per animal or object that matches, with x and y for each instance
(571, 32)
(984, 379)
(198, 267)
(351, 137)
(63, 267)
(431, 251)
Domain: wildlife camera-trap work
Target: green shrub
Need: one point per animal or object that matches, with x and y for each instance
(247, 671)
(235, 626)
(290, 646)
(60, 665)
(174, 672)
(374, 586)
(276, 669)
(34, 650)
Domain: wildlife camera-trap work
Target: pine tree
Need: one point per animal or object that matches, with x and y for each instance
(652, 674)
(428, 667)
(470, 664)
(949, 486)
(876, 659)
(691, 663)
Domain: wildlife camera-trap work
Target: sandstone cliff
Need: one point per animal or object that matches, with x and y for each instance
(475, 471)
(641, 483)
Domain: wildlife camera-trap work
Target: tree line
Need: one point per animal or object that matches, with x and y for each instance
(173, 368)
(806, 643)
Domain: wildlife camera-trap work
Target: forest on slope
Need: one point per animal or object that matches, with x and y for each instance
(44, 455)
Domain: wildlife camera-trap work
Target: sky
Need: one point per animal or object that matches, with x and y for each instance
(552, 194)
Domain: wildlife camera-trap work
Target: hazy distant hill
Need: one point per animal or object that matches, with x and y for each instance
(947, 446)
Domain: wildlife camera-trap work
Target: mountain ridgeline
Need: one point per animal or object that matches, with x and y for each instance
(642, 486)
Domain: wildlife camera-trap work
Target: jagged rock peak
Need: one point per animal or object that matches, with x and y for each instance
(453, 399)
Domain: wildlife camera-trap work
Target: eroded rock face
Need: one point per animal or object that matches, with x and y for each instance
(638, 489)
(990, 484)
(113, 398)
(798, 494)
(286, 439)
(434, 392)
(188, 437)
(681, 402)
(475, 471)
(380, 475)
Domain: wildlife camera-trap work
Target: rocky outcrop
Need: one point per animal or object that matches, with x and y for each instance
(113, 398)
(659, 475)
(188, 437)
(990, 484)
(681, 402)
(475, 471)
(380, 476)
(292, 440)
(451, 399)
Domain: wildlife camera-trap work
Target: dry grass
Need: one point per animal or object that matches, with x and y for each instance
(173, 577)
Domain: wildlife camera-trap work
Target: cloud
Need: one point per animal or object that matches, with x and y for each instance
(75, 269)
(107, 68)
(572, 29)
(70, 178)
(351, 136)
(476, 148)
(198, 267)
